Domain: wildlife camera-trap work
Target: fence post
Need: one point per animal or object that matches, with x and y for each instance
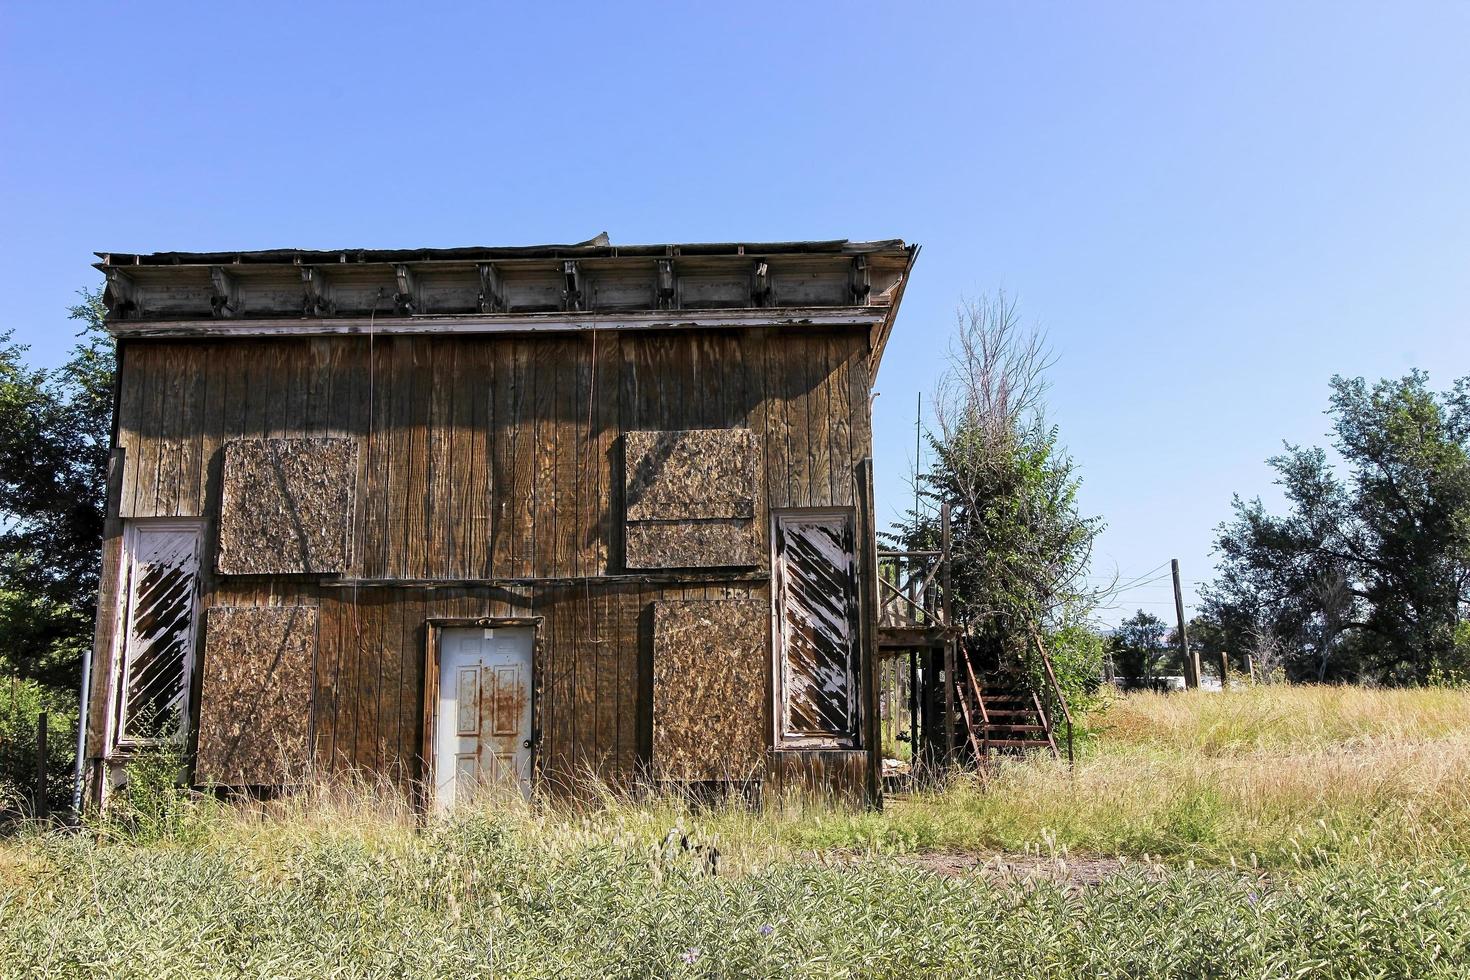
(1224, 669)
(41, 809)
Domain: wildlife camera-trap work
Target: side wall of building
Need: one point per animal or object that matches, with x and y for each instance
(489, 482)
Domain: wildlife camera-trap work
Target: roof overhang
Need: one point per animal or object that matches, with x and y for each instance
(589, 285)
(871, 317)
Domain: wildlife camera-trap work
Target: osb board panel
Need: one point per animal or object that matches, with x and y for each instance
(695, 544)
(255, 712)
(709, 688)
(286, 506)
(691, 474)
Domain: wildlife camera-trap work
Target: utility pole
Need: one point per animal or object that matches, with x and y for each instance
(1191, 673)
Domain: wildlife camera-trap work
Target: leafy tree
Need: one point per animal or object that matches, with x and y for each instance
(1019, 544)
(21, 703)
(54, 434)
(1368, 573)
(1142, 648)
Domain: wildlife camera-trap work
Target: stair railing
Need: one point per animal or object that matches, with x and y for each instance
(907, 593)
(1056, 690)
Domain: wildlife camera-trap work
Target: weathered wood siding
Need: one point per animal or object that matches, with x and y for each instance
(484, 463)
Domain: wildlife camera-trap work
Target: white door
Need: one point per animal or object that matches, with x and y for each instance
(482, 732)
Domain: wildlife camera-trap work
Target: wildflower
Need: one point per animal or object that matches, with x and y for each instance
(689, 956)
(767, 929)
(1252, 897)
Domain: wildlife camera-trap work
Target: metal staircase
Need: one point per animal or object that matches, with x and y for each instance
(959, 708)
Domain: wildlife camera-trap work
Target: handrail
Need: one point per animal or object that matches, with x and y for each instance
(908, 584)
(979, 699)
(1056, 690)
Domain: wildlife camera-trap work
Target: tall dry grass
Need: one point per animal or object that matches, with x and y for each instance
(1357, 822)
(1273, 776)
(1248, 720)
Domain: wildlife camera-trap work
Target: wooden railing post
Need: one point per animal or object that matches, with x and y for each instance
(945, 621)
(1056, 689)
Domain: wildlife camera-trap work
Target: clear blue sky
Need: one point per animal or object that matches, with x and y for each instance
(1210, 207)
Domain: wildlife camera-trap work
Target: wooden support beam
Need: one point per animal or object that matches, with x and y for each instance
(404, 299)
(760, 285)
(492, 288)
(860, 280)
(120, 295)
(225, 298)
(946, 613)
(667, 295)
(316, 292)
(571, 293)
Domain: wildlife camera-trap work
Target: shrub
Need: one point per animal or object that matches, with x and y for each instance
(21, 703)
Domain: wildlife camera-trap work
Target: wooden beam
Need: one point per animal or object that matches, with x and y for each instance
(524, 323)
(316, 287)
(404, 299)
(860, 280)
(226, 292)
(492, 288)
(667, 293)
(120, 296)
(760, 285)
(571, 293)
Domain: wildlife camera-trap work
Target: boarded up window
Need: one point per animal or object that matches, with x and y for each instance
(162, 568)
(286, 506)
(691, 498)
(255, 712)
(817, 597)
(709, 688)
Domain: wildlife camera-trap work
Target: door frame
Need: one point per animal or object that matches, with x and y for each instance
(114, 743)
(857, 699)
(427, 781)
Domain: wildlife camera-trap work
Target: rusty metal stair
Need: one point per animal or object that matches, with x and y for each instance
(1001, 715)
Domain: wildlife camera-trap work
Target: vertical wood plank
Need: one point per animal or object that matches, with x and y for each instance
(546, 456)
(841, 353)
(607, 476)
(146, 368)
(502, 460)
(193, 419)
(522, 500)
(414, 439)
(439, 547)
(408, 739)
(778, 398)
(860, 433)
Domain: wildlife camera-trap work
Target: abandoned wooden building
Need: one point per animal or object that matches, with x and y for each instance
(540, 514)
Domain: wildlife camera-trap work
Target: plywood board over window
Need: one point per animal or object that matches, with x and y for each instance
(709, 684)
(286, 506)
(691, 498)
(255, 713)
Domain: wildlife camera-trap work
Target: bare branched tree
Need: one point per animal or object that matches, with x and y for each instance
(996, 379)
(1270, 655)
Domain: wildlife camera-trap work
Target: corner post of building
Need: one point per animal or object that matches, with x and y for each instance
(868, 618)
